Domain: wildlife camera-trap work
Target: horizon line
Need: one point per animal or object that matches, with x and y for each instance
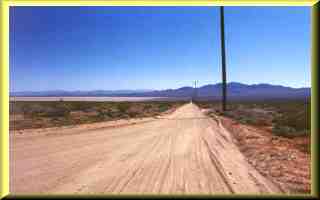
(148, 90)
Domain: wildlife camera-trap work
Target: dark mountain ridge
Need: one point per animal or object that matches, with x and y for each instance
(235, 90)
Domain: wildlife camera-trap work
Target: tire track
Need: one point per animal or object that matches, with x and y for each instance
(218, 167)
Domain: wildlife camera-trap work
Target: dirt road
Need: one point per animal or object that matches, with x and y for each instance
(184, 152)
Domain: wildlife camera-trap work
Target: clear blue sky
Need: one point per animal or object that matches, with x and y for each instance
(89, 48)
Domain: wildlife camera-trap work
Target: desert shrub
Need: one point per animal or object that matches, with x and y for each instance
(135, 110)
(57, 113)
(163, 107)
(287, 131)
(147, 107)
(103, 114)
(60, 109)
(133, 113)
(33, 110)
(16, 108)
(228, 114)
(78, 105)
(262, 122)
(244, 120)
(123, 107)
(295, 120)
(293, 116)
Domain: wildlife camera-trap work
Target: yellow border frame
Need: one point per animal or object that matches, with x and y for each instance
(4, 70)
(160, 2)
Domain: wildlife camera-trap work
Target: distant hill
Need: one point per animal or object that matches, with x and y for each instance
(213, 91)
(57, 93)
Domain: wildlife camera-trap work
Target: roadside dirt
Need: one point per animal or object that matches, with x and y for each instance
(284, 161)
(184, 152)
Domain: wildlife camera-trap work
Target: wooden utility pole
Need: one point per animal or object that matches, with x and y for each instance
(223, 60)
(194, 91)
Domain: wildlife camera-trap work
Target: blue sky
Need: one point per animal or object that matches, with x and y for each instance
(89, 48)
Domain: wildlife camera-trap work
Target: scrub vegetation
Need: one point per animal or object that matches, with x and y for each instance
(43, 114)
(288, 118)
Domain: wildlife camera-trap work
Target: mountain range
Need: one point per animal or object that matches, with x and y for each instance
(235, 90)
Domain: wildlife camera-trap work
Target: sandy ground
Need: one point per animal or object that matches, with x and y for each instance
(285, 161)
(182, 152)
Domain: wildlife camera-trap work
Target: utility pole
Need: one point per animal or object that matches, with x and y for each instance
(196, 89)
(194, 94)
(223, 60)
